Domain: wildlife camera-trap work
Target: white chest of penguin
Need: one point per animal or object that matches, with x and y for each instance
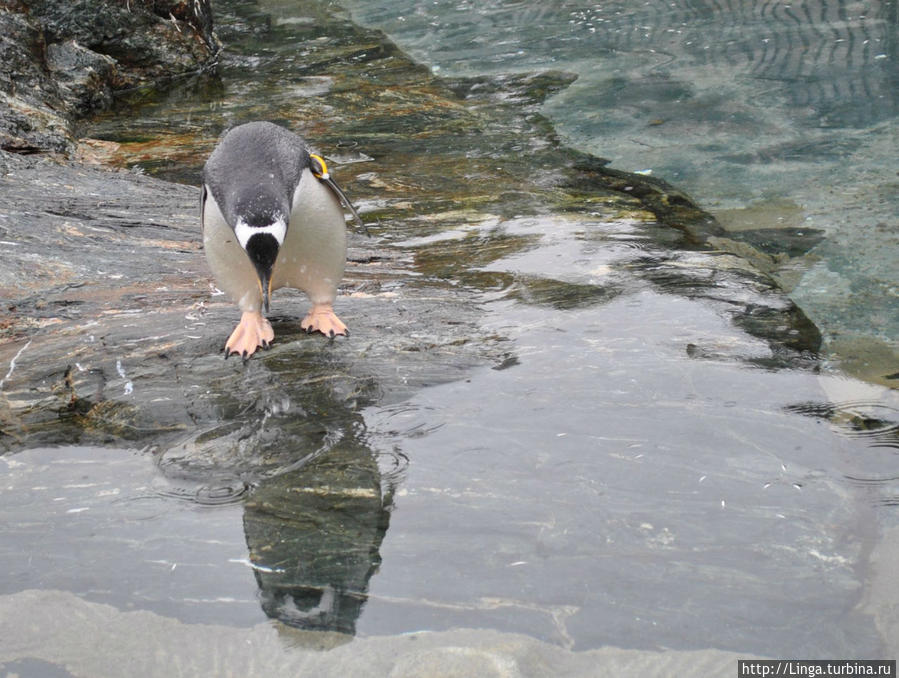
(313, 255)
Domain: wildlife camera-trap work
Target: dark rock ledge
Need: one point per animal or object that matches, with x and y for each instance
(63, 59)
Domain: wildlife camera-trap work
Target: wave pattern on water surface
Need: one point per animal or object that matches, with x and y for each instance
(777, 112)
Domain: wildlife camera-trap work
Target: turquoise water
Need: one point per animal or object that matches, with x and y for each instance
(772, 115)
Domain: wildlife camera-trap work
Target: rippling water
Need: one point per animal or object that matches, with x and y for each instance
(773, 114)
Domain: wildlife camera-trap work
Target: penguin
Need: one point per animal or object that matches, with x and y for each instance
(272, 217)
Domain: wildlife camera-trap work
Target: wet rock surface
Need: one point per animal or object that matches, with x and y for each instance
(104, 272)
(263, 651)
(64, 60)
(30, 118)
(560, 410)
(110, 272)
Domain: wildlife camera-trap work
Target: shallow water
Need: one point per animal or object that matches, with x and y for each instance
(775, 116)
(548, 420)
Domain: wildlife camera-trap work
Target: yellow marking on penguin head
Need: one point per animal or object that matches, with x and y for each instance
(320, 165)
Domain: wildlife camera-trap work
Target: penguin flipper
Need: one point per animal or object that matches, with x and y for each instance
(320, 170)
(341, 196)
(203, 210)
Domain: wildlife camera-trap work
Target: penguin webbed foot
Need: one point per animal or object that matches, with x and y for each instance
(253, 331)
(323, 319)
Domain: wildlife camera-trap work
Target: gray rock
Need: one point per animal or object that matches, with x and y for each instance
(85, 76)
(46, 630)
(32, 108)
(147, 42)
(63, 60)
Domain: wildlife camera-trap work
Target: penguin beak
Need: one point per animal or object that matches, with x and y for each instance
(262, 248)
(265, 282)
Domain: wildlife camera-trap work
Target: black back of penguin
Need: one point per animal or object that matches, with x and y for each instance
(253, 172)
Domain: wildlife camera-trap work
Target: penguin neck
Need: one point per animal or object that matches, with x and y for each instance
(244, 231)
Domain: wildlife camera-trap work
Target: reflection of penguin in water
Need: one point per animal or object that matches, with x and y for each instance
(272, 218)
(314, 537)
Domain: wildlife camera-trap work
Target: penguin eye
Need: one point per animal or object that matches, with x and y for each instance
(319, 168)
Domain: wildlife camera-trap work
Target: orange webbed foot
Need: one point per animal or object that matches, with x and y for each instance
(322, 319)
(251, 332)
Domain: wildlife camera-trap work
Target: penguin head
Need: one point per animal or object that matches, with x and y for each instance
(261, 236)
